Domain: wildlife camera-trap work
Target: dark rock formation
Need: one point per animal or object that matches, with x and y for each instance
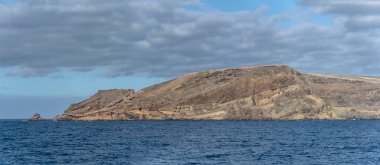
(36, 117)
(250, 93)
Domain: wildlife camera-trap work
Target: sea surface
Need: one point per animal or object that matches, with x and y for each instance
(190, 142)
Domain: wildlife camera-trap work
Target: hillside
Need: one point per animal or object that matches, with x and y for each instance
(272, 92)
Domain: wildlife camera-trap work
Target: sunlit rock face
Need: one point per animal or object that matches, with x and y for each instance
(36, 117)
(271, 92)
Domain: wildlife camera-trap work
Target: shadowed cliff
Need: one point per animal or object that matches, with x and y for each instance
(259, 93)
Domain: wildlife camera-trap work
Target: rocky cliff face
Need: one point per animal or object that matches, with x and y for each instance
(259, 93)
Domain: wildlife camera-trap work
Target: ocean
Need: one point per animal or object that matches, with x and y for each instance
(190, 142)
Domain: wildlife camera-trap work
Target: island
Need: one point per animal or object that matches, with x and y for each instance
(268, 92)
(36, 117)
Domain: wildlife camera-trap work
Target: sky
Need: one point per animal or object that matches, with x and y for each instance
(57, 52)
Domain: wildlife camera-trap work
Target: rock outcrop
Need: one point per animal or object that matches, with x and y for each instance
(273, 92)
(36, 117)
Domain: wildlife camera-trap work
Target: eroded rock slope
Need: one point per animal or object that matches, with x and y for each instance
(260, 93)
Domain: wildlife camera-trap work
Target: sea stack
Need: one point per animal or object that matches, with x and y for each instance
(36, 117)
(270, 92)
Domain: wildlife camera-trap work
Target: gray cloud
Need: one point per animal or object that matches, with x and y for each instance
(169, 38)
(345, 7)
(358, 15)
(30, 72)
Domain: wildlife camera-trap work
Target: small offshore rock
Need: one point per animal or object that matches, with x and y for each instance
(36, 117)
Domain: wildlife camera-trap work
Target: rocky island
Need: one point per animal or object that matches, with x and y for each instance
(271, 92)
(36, 117)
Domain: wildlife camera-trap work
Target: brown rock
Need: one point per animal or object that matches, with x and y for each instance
(250, 93)
(36, 117)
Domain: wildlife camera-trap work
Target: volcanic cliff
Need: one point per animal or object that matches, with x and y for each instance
(272, 92)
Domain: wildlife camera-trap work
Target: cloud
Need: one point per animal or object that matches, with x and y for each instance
(345, 7)
(169, 38)
(30, 72)
(358, 15)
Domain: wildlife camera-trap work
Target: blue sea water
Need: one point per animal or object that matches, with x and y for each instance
(190, 142)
